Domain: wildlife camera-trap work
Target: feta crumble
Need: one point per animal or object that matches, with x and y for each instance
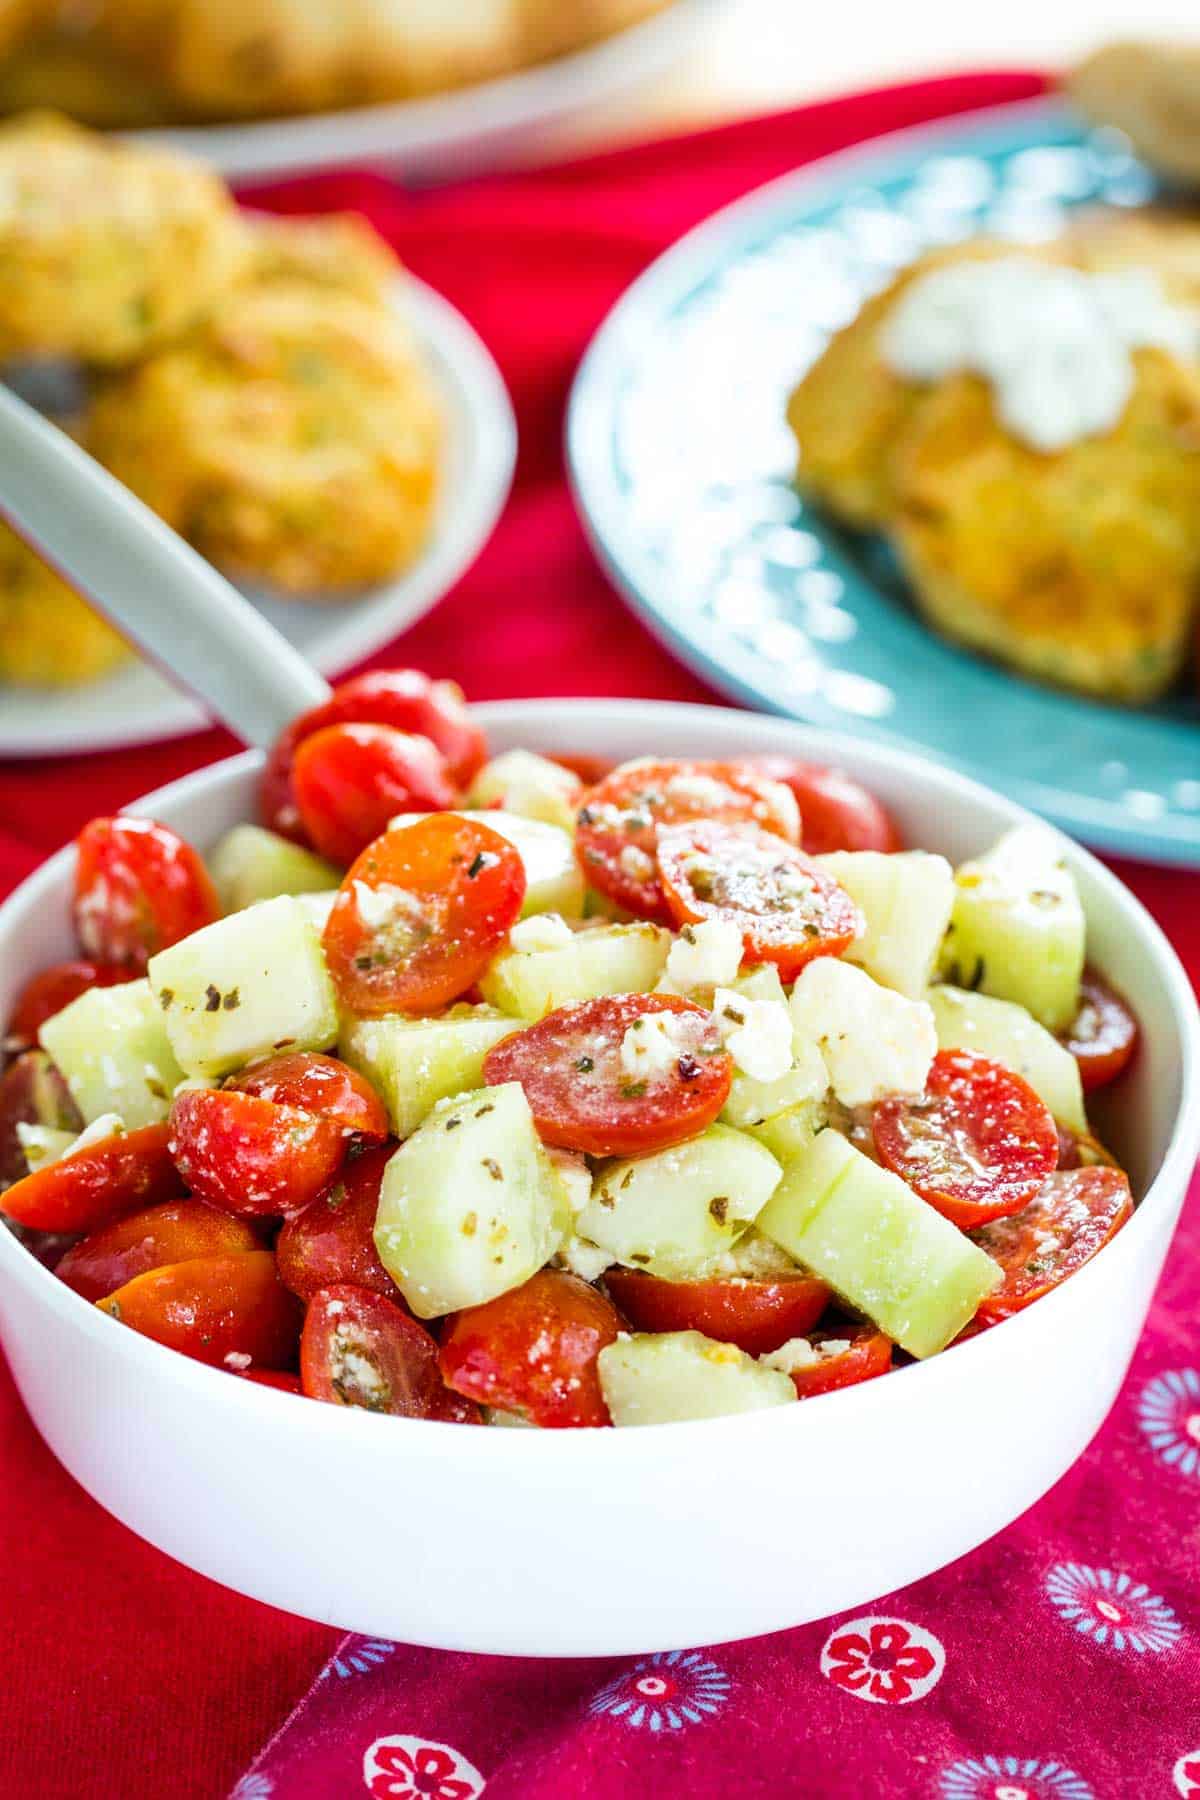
(544, 931)
(873, 1041)
(573, 1172)
(757, 1034)
(707, 954)
(635, 863)
(799, 1353)
(381, 906)
(585, 1259)
(651, 1046)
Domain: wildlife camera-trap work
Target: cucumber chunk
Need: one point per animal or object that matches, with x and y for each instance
(414, 1063)
(906, 900)
(604, 959)
(660, 1378)
(751, 1103)
(1017, 931)
(44, 1144)
(112, 1049)
(251, 983)
(531, 786)
(471, 1205)
(317, 907)
(553, 879)
(879, 1246)
(789, 1134)
(250, 864)
(674, 1212)
(1007, 1034)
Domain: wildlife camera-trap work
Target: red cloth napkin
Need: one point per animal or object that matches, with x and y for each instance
(121, 1674)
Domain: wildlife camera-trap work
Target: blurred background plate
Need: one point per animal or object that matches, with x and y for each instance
(682, 461)
(136, 705)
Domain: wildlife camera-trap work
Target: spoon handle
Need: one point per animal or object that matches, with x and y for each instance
(156, 590)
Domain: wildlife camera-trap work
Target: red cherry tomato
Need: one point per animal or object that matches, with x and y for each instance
(56, 987)
(533, 1351)
(349, 780)
(582, 1096)
(1074, 1214)
(590, 769)
(421, 914)
(754, 1313)
(402, 698)
(620, 819)
(320, 1085)
(332, 1243)
(250, 1157)
(101, 1182)
(176, 1232)
(836, 812)
(867, 1354)
(360, 1349)
(787, 910)
(978, 1143)
(283, 1379)
(1104, 1033)
(32, 1092)
(138, 889)
(216, 1309)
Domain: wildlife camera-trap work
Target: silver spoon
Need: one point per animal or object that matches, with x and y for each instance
(157, 591)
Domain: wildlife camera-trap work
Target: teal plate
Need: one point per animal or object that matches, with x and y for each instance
(681, 462)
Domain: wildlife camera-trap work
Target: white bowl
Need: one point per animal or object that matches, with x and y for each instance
(605, 1543)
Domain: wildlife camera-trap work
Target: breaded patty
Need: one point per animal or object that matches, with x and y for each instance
(17, 19)
(1081, 568)
(107, 249)
(48, 636)
(1105, 238)
(50, 72)
(1150, 91)
(337, 251)
(294, 439)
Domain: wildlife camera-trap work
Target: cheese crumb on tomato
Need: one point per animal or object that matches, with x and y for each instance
(381, 906)
(800, 1353)
(707, 954)
(544, 931)
(874, 1041)
(636, 863)
(651, 1046)
(585, 1259)
(758, 1034)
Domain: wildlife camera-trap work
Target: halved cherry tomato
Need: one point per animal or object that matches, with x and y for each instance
(349, 780)
(836, 812)
(101, 1182)
(755, 1314)
(590, 769)
(177, 1231)
(533, 1351)
(217, 1309)
(331, 1243)
(138, 889)
(1074, 1214)
(421, 914)
(56, 987)
(1103, 1035)
(320, 1085)
(620, 819)
(787, 910)
(1080, 1150)
(283, 1379)
(977, 1145)
(584, 1098)
(867, 1353)
(360, 1349)
(406, 700)
(32, 1092)
(250, 1157)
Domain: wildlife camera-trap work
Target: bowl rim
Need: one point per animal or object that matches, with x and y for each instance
(1170, 1179)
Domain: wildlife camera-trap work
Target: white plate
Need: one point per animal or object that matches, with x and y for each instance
(469, 127)
(137, 706)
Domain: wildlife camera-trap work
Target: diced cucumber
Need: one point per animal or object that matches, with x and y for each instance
(531, 786)
(788, 1134)
(471, 1205)
(316, 908)
(250, 864)
(553, 880)
(43, 1144)
(661, 1378)
(1017, 931)
(251, 983)
(113, 1051)
(1006, 1033)
(906, 900)
(604, 959)
(414, 1063)
(878, 1245)
(675, 1211)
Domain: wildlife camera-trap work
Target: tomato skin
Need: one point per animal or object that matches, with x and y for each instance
(283, 1379)
(599, 1109)
(213, 1308)
(349, 780)
(755, 1314)
(402, 1356)
(1104, 1034)
(869, 1355)
(990, 1133)
(331, 1243)
(48, 992)
(177, 1231)
(787, 909)
(533, 1351)
(32, 1092)
(1073, 1216)
(138, 889)
(248, 1156)
(462, 886)
(590, 769)
(95, 1185)
(320, 1085)
(836, 812)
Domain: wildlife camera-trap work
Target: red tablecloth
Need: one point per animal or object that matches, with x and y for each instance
(122, 1674)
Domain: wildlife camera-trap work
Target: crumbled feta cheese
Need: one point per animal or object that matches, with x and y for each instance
(651, 1045)
(784, 811)
(757, 1033)
(576, 1177)
(108, 1125)
(635, 863)
(544, 931)
(43, 1145)
(238, 1360)
(707, 954)
(873, 1040)
(700, 791)
(382, 905)
(799, 1353)
(585, 1259)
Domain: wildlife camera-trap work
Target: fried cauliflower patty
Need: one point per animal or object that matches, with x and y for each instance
(294, 440)
(108, 249)
(17, 20)
(48, 636)
(336, 251)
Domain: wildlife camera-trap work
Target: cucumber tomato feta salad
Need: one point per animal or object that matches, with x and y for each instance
(541, 1092)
